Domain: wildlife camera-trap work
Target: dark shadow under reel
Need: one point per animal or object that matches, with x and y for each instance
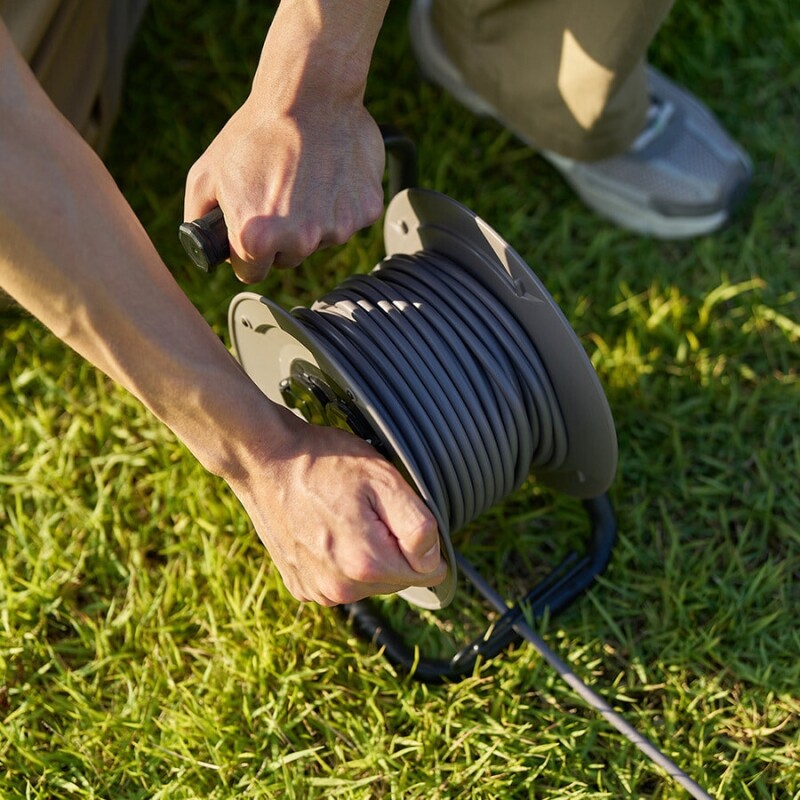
(452, 359)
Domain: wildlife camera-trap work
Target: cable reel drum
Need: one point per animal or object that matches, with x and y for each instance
(421, 358)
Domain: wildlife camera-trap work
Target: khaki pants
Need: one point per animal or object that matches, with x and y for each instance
(76, 49)
(568, 75)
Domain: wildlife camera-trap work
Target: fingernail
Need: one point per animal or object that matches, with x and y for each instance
(430, 560)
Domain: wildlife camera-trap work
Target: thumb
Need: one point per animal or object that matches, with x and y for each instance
(414, 528)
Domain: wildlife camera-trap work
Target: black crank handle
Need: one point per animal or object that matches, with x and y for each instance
(205, 240)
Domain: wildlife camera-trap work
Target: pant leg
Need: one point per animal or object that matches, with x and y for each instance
(567, 75)
(77, 50)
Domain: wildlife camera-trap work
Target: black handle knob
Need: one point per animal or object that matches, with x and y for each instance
(206, 240)
(401, 159)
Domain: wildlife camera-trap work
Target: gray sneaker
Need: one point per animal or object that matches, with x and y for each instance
(682, 177)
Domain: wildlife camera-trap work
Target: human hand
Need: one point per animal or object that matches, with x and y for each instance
(300, 165)
(288, 188)
(338, 520)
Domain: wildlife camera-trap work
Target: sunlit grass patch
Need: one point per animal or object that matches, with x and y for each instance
(147, 646)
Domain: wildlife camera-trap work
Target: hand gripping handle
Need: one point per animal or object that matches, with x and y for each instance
(205, 240)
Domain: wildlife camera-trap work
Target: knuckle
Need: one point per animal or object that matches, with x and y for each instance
(195, 190)
(421, 535)
(297, 244)
(194, 177)
(254, 241)
(306, 243)
(342, 229)
(365, 569)
(342, 594)
(295, 590)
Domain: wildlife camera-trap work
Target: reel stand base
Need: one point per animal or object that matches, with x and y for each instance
(553, 594)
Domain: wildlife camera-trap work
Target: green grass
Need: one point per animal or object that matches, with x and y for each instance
(148, 648)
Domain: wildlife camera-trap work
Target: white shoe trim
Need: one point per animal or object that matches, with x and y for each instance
(640, 219)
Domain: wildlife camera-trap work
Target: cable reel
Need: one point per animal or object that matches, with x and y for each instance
(451, 358)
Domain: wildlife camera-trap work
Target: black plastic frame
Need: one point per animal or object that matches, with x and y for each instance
(574, 575)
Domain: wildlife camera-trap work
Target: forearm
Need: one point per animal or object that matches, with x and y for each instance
(73, 254)
(339, 520)
(299, 166)
(323, 46)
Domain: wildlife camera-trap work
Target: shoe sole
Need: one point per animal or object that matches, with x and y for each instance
(635, 216)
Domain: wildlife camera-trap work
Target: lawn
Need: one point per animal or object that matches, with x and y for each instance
(148, 648)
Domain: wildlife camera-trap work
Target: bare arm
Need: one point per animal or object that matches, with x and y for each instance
(73, 253)
(299, 165)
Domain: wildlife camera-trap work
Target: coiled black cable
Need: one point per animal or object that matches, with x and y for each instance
(461, 377)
